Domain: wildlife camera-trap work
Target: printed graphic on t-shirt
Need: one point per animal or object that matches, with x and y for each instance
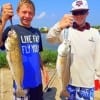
(32, 42)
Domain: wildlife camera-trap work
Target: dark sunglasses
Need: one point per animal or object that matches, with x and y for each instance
(81, 12)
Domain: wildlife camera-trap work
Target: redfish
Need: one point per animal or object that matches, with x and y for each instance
(63, 65)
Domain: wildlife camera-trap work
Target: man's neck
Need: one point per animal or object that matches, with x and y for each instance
(81, 27)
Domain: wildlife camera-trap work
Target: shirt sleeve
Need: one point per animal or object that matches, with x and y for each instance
(97, 55)
(40, 42)
(41, 46)
(54, 35)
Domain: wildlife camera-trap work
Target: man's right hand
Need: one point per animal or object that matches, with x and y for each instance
(66, 21)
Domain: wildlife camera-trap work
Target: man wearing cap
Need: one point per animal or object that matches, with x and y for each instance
(85, 50)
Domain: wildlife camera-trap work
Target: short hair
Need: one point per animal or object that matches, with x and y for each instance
(28, 2)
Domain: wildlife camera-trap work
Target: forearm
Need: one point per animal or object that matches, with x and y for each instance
(2, 25)
(97, 57)
(54, 34)
(97, 65)
(6, 14)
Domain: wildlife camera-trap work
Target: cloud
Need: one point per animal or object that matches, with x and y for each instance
(41, 15)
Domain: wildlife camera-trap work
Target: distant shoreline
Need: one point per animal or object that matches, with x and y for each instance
(48, 45)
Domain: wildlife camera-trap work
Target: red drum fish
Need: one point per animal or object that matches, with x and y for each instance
(63, 64)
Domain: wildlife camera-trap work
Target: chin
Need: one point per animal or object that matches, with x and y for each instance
(80, 23)
(27, 25)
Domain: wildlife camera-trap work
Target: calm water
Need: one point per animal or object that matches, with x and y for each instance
(47, 45)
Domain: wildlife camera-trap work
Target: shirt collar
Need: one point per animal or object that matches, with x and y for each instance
(86, 26)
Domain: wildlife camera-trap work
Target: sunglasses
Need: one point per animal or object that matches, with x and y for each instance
(81, 12)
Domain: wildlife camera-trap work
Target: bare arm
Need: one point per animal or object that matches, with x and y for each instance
(6, 14)
(2, 24)
(44, 71)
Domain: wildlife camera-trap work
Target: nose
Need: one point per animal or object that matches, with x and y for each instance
(27, 14)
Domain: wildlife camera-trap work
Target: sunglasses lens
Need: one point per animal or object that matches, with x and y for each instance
(81, 12)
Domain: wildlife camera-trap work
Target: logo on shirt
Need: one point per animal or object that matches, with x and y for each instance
(92, 39)
(79, 3)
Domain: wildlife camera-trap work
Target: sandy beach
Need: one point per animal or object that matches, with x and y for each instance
(51, 94)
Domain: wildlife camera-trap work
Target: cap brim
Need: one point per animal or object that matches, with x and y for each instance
(78, 10)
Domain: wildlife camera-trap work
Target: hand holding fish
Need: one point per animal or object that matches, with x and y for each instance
(66, 21)
(7, 11)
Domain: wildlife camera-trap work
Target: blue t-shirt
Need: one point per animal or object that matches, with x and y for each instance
(30, 45)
